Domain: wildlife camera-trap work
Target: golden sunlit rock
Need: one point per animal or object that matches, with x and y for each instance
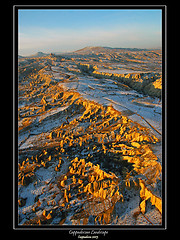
(85, 156)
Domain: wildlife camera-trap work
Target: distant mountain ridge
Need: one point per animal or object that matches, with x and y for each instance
(98, 49)
(87, 50)
(39, 54)
(90, 50)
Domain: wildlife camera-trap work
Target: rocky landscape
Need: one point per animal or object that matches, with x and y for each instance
(89, 138)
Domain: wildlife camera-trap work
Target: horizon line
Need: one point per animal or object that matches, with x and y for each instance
(71, 51)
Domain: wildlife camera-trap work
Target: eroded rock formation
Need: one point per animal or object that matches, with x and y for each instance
(79, 160)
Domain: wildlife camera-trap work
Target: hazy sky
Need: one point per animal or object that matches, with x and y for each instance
(67, 30)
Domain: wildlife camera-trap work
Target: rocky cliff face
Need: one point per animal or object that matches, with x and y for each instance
(147, 83)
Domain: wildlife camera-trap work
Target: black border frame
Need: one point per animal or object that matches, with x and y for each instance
(15, 225)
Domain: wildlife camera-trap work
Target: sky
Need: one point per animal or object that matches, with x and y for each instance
(63, 30)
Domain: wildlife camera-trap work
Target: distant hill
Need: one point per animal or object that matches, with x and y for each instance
(39, 54)
(92, 50)
(89, 50)
(19, 56)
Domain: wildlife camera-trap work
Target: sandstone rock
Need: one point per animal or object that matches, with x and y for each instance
(43, 101)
